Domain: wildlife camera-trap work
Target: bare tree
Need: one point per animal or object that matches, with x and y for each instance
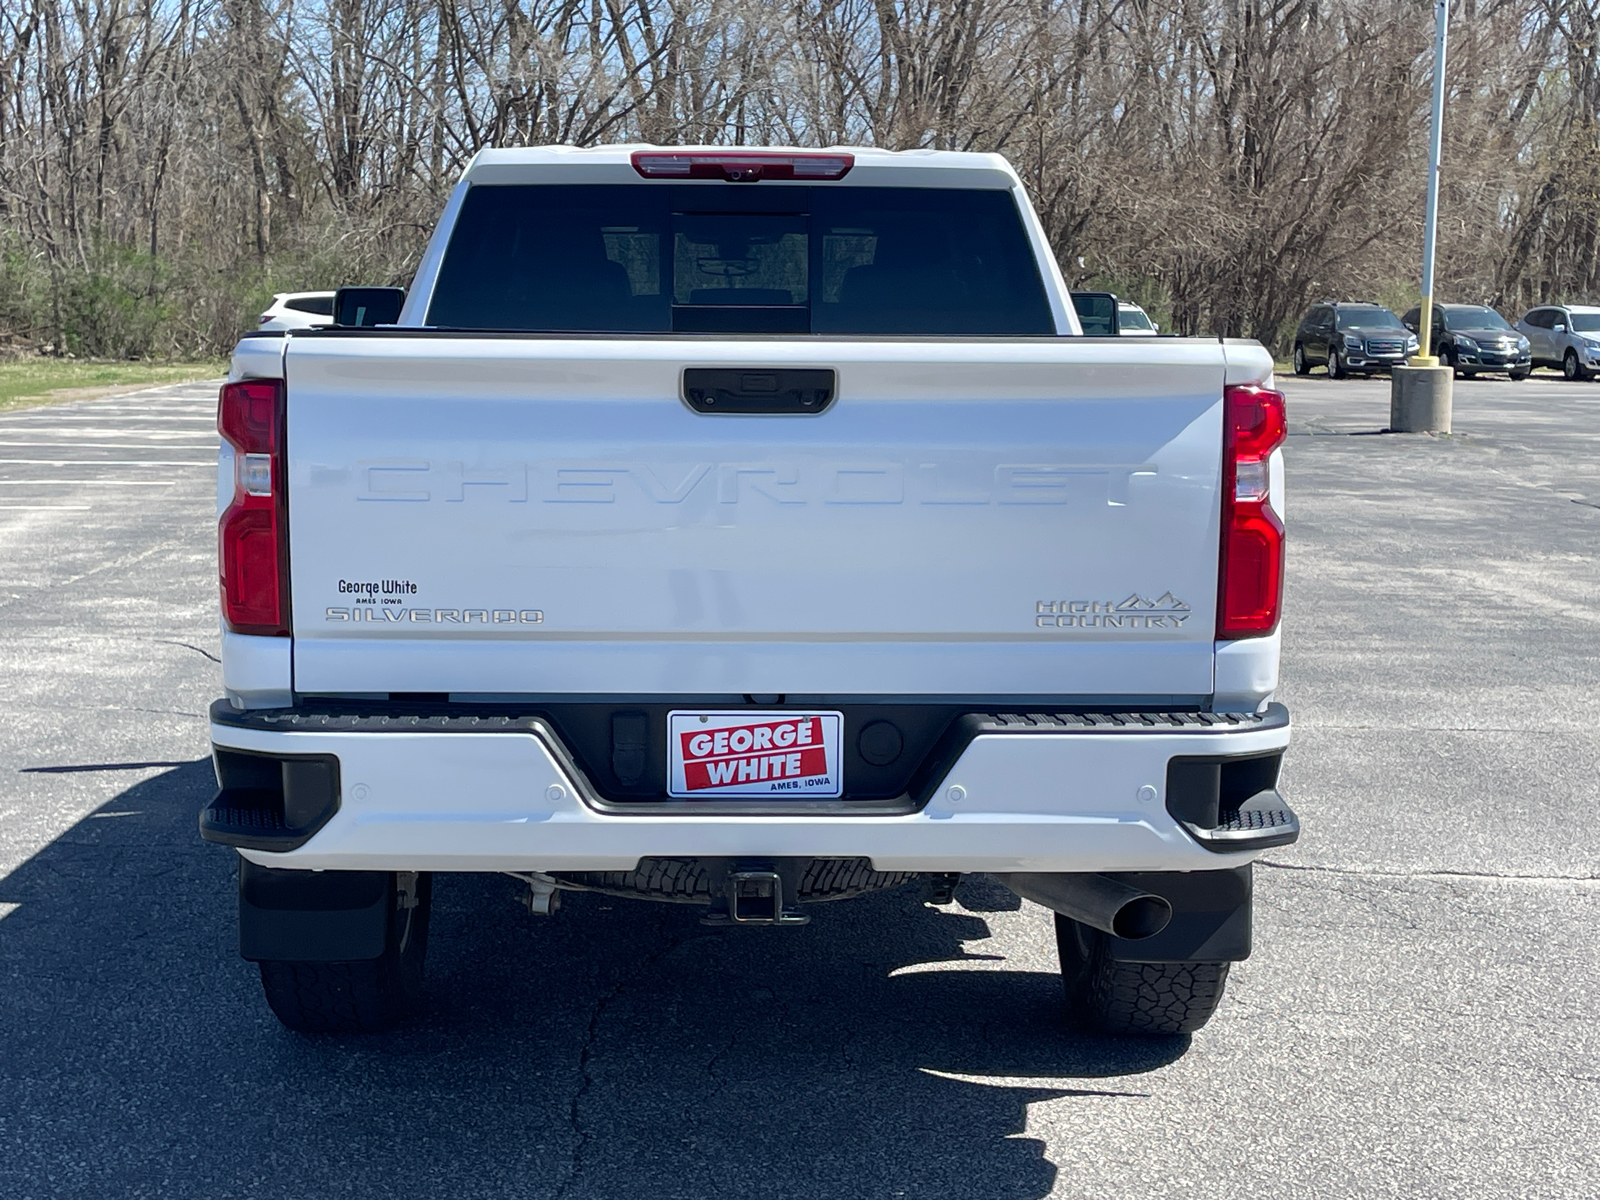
(164, 164)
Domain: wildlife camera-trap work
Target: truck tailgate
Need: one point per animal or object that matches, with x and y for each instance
(493, 516)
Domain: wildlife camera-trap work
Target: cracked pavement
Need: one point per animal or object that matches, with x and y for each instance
(1418, 1019)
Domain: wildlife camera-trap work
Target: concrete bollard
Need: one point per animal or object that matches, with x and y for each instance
(1420, 399)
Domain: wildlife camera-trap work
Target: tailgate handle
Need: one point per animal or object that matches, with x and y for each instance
(771, 390)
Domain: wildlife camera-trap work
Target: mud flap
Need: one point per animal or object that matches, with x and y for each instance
(313, 916)
(1211, 917)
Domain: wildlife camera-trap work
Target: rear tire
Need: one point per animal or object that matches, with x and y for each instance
(1301, 366)
(1140, 999)
(356, 997)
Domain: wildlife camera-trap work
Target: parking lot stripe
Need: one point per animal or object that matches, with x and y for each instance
(101, 445)
(109, 428)
(108, 462)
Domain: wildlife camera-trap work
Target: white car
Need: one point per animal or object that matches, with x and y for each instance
(1133, 321)
(298, 310)
(747, 529)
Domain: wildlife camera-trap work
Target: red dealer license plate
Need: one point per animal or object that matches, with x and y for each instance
(754, 754)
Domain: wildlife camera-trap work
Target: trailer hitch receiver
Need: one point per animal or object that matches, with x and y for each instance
(754, 898)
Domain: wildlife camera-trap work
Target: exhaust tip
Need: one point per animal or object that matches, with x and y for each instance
(1142, 917)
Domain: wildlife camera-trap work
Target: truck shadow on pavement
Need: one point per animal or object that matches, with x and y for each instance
(615, 1049)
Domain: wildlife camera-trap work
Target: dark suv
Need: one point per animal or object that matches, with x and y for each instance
(1350, 338)
(1473, 337)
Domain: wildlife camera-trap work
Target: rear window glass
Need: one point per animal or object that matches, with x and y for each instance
(740, 259)
(1464, 316)
(321, 306)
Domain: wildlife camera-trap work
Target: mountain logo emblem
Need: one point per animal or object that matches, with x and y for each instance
(1168, 603)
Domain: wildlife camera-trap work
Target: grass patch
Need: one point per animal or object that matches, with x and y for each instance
(29, 381)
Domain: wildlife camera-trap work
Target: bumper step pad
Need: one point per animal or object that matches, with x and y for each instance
(270, 802)
(238, 817)
(1263, 821)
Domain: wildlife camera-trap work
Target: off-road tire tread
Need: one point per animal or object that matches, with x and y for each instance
(842, 878)
(674, 880)
(1163, 999)
(1142, 999)
(684, 880)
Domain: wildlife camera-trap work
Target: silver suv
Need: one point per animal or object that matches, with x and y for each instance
(1565, 336)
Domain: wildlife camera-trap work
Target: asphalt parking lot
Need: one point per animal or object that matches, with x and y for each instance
(1419, 1018)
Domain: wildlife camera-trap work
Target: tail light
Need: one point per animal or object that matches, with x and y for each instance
(252, 537)
(741, 166)
(1250, 579)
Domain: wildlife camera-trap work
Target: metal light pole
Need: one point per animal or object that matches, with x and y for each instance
(1421, 394)
(1441, 19)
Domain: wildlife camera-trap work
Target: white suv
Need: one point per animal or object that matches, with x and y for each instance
(1133, 321)
(1564, 336)
(298, 310)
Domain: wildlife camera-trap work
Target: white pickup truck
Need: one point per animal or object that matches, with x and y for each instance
(747, 529)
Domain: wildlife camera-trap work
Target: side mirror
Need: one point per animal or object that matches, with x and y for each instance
(367, 306)
(1559, 328)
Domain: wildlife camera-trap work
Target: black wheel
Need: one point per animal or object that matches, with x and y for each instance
(1148, 999)
(357, 997)
(1519, 376)
(1571, 368)
(1301, 366)
(1335, 365)
(1447, 357)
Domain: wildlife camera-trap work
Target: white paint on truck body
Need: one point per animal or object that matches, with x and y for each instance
(504, 802)
(900, 543)
(518, 515)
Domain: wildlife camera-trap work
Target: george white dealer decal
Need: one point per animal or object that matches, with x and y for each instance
(383, 602)
(744, 753)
